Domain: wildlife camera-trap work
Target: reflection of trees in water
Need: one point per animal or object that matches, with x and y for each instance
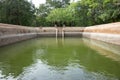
(15, 58)
(59, 58)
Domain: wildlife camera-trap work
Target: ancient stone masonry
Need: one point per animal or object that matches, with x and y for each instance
(109, 33)
(111, 28)
(14, 33)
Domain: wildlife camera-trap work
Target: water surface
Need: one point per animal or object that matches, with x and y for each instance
(58, 59)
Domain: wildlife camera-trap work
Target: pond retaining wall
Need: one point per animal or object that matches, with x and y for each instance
(109, 33)
(14, 33)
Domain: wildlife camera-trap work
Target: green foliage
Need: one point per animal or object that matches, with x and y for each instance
(61, 16)
(60, 12)
(57, 3)
(41, 14)
(20, 12)
(45, 9)
(92, 12)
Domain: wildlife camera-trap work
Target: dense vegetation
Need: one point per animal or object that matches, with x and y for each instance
(20, 12)
(59, 12)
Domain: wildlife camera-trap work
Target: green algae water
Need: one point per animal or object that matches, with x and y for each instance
(60, 59)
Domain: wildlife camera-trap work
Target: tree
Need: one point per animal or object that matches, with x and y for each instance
(92, 12)
(61, 16)
(110, 12)
(81, 13)
(57, 3)
(20, 12)
(42, 13)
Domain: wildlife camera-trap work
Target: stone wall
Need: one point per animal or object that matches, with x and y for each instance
(109, 33)
(14, 33)
(104, 48)
(111, 28)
